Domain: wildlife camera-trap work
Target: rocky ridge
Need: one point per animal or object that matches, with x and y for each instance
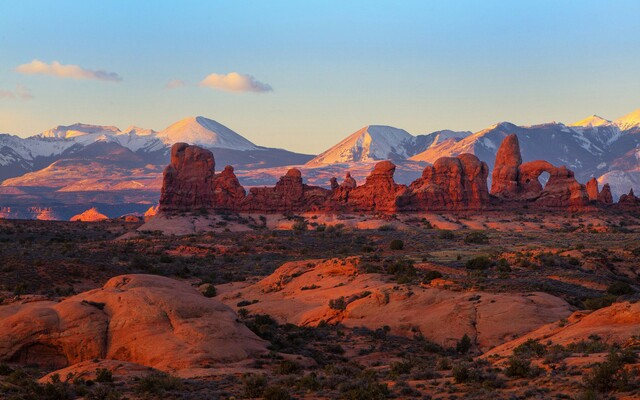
(450, 184)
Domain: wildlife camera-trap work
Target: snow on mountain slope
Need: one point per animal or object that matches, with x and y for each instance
(629, 121)
(204, 132)
(136, 139)
(592, 121)
(373, 142)
(76, 130)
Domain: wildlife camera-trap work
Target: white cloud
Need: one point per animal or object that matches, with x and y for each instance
(21, 92)
(235, 82)
(66, 71)
(175, 83)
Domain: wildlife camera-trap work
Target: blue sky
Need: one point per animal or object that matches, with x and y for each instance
(333, 66)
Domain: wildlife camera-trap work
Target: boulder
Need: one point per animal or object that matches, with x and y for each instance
(145, 319)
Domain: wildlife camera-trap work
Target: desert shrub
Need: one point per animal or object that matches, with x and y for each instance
(463, 345)
(210, 291)
(386, 227)
(402, 268)
(158, 383)
(619, 289)
(300, 225)
(400, 368)
(520, 367)
(530, 348)
(610, 374)
(446, 234)
(503, 265)
(596, 303)
(396, 244)
(275, 393)
(363, 387)
(103, 392)
(476, 238)
(338, 304)
(479, 263)
(431, 275)
(254, 385)
(5, 369)
(103, 375)
(288, 367)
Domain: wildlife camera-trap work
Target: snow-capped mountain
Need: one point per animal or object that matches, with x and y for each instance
(591, 122)
(19, 155)
(373, 142)
(630, 121)
(88, 165)
(204, 132)
(381, 142)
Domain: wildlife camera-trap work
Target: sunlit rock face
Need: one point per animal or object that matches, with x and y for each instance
(145, 319)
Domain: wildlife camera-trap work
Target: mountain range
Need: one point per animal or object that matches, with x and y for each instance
(68, 169)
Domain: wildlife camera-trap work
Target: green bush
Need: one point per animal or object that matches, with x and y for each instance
(288, 367)
(530, 348)
(479, 263)
(446, 234)
(396, 244)
(619, 289)
(254, 385)
(210, 291)
(276, 393)
(338, 304)
(431, 275)
(463, 345)
(610, 374)
(476, 238)
(158, 383)
(103, 375)
(596, 303)
(518, 367)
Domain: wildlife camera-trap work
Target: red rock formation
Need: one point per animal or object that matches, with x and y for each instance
(452, 183)
(289, 195)
(227, 190)
(504, 180)
(629, 199)
(592, 189)
(513, 180)
(605, 195)
(188, 179)
(379, 193)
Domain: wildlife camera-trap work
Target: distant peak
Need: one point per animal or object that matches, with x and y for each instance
(591, 121)
(628, 121)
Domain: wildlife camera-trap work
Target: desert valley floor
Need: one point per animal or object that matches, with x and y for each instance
(504, 305)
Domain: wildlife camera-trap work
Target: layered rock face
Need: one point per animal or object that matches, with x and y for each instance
(289, 194)
(513, 180)
(190, 183)
(452, 182)
(379, 193)
(188, 179)
(145, 319)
